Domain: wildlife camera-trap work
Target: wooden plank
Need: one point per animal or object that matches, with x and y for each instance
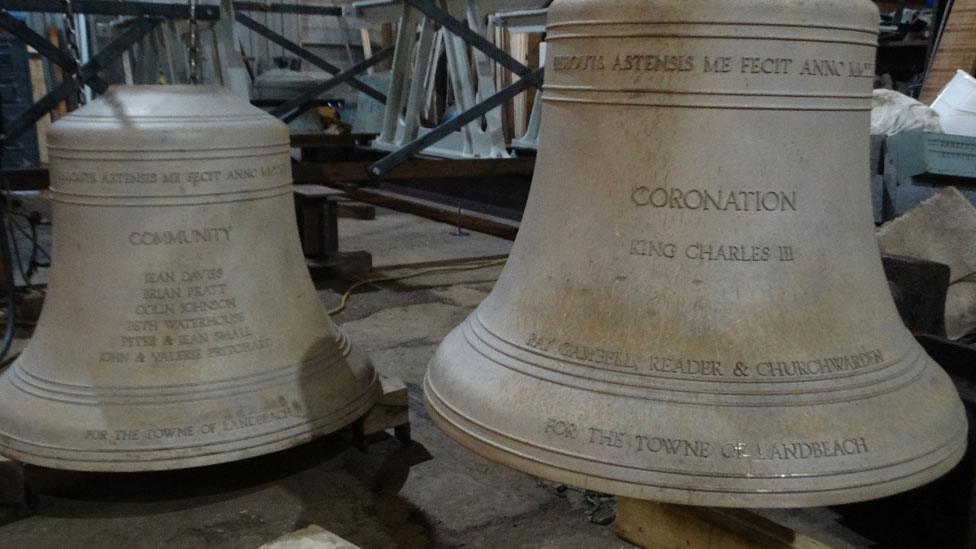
(391, 409)
(416, 168)
(26, 179)
(893, 5)
(957, 50)
(666, 526)
(495, 226)
(39, 90)
(56, 71)
(310, 140)
(387, 38)
(367, 47)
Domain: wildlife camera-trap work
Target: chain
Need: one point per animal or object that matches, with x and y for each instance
(71, 39)
(194, 42)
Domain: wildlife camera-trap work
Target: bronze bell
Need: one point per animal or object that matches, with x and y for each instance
(695, 310)
(181, 327)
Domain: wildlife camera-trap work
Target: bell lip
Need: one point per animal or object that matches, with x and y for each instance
(176, 458)
(746, 499)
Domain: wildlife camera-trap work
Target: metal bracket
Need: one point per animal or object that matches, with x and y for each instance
(113, 7)
(308, 56)
(397, 157)
(25, 34)
(174, 10)
(294, 108)
(288, 8)
(99, 62)
(462, 31)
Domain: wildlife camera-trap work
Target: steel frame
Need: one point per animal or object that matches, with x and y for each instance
(396, 131)
(88, 74)
(288, 8)
(25, 34)
(294, 108)
(311, 57)
(113, 7)
(465, 33)
(152, 13)
(83, 76)
(174, 10)
(402, 154)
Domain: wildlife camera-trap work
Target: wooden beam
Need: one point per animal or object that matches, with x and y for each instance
(495, 226)
(313, 140)
(666, 526)
(957, 50)
(417, 168)
(26, 179)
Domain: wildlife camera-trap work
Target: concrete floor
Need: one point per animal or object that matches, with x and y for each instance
(431, 493)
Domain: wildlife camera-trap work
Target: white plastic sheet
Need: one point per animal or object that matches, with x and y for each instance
(893, 113)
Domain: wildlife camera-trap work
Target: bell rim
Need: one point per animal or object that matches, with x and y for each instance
(451, 424)
(173, 458)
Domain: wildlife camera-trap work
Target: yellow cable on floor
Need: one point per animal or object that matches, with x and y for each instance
(463, 267)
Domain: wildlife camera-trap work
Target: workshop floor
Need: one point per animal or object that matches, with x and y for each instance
(431, 493)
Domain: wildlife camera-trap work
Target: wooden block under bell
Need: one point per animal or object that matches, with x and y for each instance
(391, 410)
(665, 526)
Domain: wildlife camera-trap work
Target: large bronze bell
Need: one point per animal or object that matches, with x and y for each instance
(181, 327)
(695, 310)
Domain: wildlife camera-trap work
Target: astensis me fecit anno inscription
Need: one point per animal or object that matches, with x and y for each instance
(719, 64)
(192, 177)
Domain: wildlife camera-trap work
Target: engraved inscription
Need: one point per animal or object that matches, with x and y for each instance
(659, 445)
(243, 419)
(711, 64)
(673, 446)
(819, 366)
(561, 428)
(194, 177)
(183, 316)
(703, 367)
(583, 353)
(720, 200)
(179, 236)
(705, 252)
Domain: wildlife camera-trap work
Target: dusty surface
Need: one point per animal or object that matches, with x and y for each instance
(431, 493)
(400, 239)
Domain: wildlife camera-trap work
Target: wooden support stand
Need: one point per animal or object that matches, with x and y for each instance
(13, 491)
(665, 526)
(390, 412)
(317, 210)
